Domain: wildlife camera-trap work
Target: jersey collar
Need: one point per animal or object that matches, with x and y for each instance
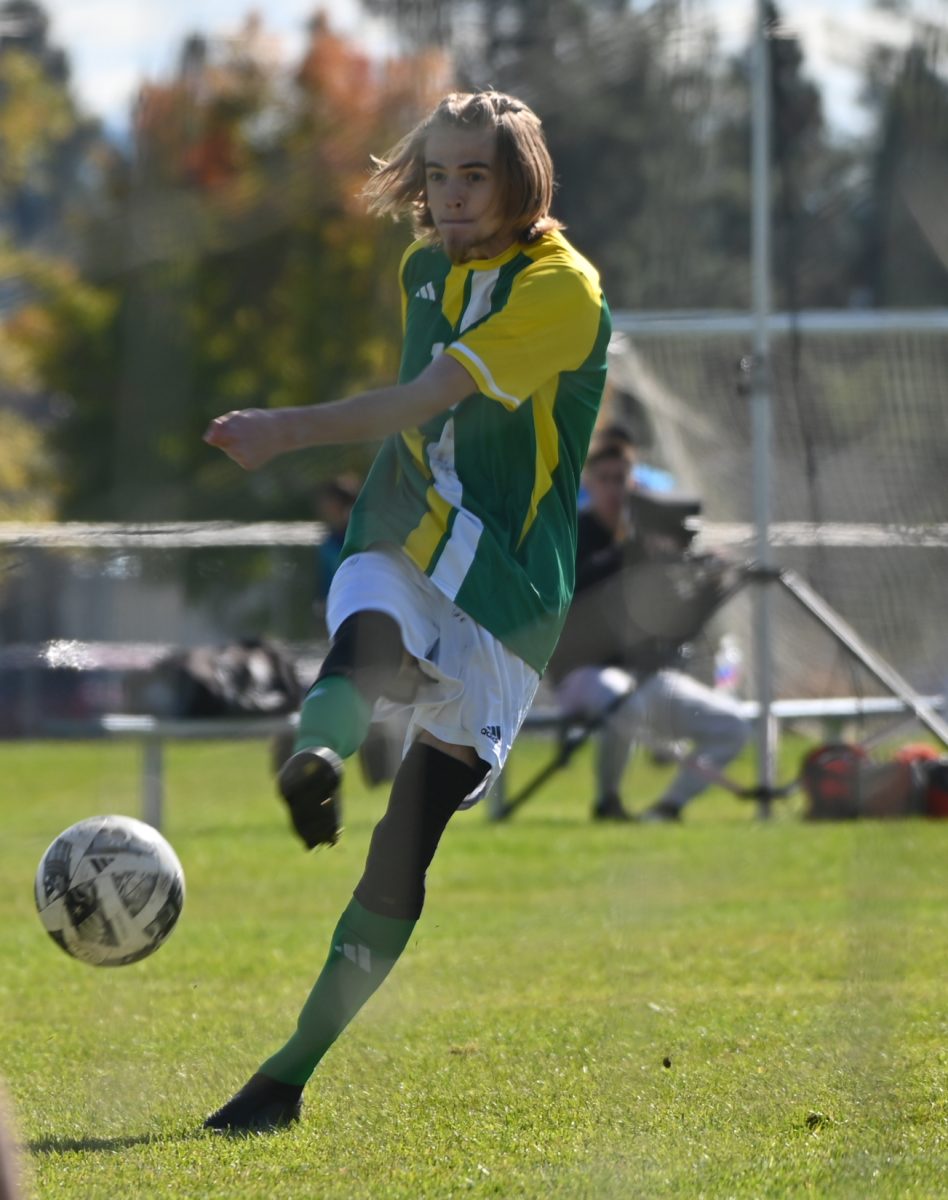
(491, 264)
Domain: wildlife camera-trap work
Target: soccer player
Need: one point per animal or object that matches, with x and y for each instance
(458, 566)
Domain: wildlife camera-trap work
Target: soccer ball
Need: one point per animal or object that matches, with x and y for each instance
(109, 890)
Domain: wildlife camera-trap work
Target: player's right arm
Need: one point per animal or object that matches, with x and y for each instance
(253, 437)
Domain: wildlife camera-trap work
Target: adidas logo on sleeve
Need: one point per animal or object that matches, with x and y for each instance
(426, 292)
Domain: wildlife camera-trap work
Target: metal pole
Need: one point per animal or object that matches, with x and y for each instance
(877, 666)
(761, 422)
(153, 781)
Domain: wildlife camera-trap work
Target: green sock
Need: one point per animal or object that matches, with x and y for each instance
(334, 714)
(364, 949)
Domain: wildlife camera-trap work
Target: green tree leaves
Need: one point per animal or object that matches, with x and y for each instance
(233, 266)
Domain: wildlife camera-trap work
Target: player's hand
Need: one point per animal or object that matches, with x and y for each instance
(250, 436)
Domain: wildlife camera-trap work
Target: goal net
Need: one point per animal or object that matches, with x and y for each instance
(859, 498)
(859, 510)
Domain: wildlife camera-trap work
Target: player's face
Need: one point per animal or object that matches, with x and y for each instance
(464, 193)
(608, 485)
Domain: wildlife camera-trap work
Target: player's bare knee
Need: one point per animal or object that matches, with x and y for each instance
(368, 649)
(464, 754)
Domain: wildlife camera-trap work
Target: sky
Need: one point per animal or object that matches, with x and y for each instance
(113, 44)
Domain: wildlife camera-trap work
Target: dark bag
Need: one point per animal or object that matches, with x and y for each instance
(933, 769)
(254, 677)
(936, 788)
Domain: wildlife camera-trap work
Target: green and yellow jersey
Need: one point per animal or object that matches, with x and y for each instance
(482, 498)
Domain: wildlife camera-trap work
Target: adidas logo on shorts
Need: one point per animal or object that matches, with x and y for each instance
(492, 732)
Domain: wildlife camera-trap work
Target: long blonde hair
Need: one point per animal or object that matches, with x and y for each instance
(525, 169)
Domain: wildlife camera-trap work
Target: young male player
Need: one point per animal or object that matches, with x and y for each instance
(458, 566)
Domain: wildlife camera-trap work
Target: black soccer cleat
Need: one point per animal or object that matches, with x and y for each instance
(660, 814)
(610, 808)
(309, 783)
(262, 1105)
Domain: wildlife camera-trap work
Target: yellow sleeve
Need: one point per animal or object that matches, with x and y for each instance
(548, 325)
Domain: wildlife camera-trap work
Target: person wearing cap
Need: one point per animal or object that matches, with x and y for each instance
(642, 595)
(645, 475)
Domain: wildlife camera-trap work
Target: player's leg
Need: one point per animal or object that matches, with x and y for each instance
(465, 728)
(682, 708)
(365, 659)
(615, 746)
(587, 693)
(374, 611)
(432, 782)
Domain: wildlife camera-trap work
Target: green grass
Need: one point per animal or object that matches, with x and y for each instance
(792, 975)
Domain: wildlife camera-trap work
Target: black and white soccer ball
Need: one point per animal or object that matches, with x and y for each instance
(109, 890)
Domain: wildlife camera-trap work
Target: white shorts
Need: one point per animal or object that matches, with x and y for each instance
(472, 690)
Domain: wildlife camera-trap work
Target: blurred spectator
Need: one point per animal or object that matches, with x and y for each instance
(641, 596)
(642, 474)
(334, 501)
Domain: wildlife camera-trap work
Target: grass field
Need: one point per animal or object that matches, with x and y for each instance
(727, 1009)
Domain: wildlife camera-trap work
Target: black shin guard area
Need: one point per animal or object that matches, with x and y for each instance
(429, 787)
(368, 650)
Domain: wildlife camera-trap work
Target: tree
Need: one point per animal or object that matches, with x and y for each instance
(238, 268)
(624, 94)
(904, 236)
(815, 181)
(650, 134)
(44, 143)
(624, 109)
(55, 347)
(650, 131)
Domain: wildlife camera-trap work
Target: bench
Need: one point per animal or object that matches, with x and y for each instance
(153, 732)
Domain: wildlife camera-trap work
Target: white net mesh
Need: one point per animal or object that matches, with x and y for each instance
(859, 501)
(860, 509)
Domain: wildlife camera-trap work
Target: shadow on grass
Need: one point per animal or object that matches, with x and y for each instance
(66, 1145)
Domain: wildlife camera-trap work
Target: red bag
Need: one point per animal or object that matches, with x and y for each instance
(842, 783)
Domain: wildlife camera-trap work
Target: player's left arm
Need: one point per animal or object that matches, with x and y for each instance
(253, 437)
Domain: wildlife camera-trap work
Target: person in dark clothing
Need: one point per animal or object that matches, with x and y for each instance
(334, 503)
(641, 595)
